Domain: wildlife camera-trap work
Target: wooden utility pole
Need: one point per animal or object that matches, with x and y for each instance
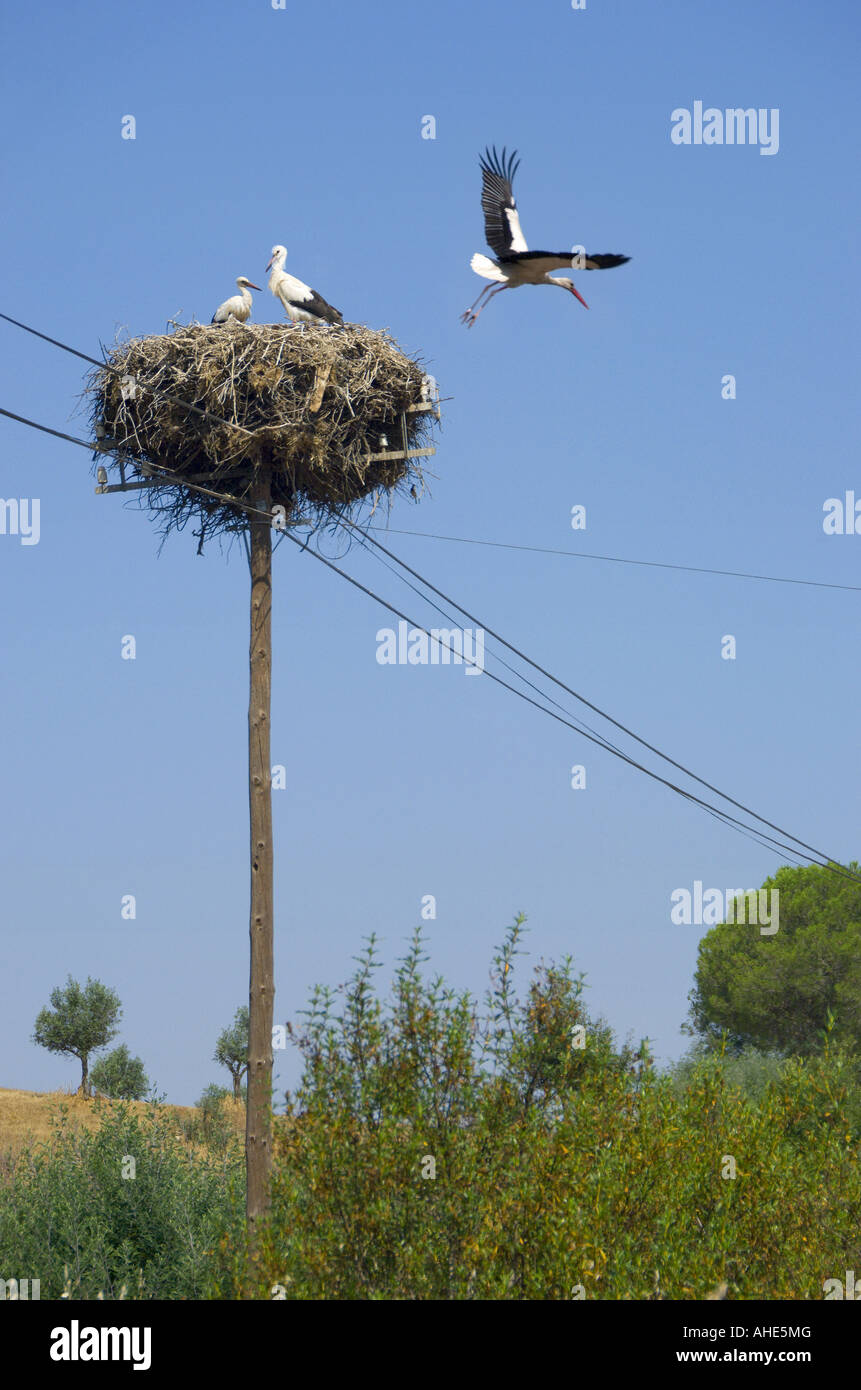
(377, 374)
(261, 990)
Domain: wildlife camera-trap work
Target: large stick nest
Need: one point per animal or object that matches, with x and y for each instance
(303, 408)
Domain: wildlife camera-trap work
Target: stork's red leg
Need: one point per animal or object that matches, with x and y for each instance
(470, 317)
(486, 291)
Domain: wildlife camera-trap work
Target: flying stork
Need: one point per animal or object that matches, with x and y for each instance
(238, 306)
(515, 264)
(303, 305)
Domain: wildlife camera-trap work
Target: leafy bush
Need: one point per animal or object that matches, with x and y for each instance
(751, 1071)
(436, 1151)
(211, 1125)
(120, 1076)
(72, 1216)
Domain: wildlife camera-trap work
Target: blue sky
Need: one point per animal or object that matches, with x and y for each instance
(303, 126)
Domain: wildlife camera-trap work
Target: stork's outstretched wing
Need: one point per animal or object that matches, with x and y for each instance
(501, 222)
(604, 262)
(542, 262)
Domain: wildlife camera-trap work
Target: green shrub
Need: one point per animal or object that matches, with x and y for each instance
(437, 1151)
(69, 1216)
(120, 1076)
(750, 1070)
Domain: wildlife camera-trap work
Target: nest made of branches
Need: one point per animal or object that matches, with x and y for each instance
(301, 409)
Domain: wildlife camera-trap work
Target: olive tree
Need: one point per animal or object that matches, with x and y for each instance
(231, 1049)
(79, 1022)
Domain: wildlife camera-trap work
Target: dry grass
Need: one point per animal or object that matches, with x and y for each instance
(25, 1116)
(307, 409)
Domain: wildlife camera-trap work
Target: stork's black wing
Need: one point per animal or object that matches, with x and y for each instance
(501, 222)
(604, 262)
(318, 305)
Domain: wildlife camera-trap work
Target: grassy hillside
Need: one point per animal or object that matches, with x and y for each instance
(26, 1116)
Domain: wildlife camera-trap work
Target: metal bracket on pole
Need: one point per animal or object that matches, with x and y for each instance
(406, 452)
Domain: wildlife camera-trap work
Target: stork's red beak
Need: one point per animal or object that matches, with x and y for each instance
(252, 284)
(580, 297)
(271, 259)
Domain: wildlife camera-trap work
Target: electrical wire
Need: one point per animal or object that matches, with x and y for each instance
(620, 559)
(582, 699)
(580, 725)
(752, 832)
(605, 742)
(157, 467)
(820, 857)
(427, 535)
(108, 367)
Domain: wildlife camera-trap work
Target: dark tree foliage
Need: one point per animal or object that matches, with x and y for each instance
(776, 992)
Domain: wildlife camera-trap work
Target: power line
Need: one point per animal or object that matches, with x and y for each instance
(580, 726)
(58, 434)
(163, 472)
(108, 367)
(427, 535)
(651, 747)
(619, 559)
(170, 477)
(821, 859)
(605, 742)
(751, 832)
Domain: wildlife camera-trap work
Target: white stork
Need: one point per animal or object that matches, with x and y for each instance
(303, 305)
(238, 306)
(515, 264)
